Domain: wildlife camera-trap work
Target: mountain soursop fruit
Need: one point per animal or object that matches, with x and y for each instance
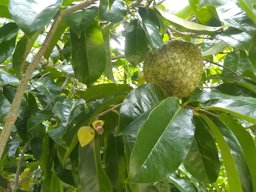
(176, 67)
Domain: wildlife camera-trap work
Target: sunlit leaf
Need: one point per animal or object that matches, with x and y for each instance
(32, 15)
(88, 54)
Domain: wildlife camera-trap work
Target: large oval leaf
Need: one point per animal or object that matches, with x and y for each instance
(238, 174)
(136, 107)
(136, 44)
(91, 174)
(188, 25)
(113, 11)
(203, 161)
(8, 34)
(247, 144)
(32, 15)
(88, 54)
(162, 143)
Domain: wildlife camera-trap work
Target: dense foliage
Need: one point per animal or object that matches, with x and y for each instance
(88, 121)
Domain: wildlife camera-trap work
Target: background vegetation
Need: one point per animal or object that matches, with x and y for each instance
(65, 64)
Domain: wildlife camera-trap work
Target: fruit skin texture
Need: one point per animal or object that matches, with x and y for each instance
(176, 67)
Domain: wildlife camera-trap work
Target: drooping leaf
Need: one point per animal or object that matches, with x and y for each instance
(249, 7)
(162, 143)
(109, 67)
(32, 15)
(52, 184)
(151, 27)
(8, 34)
(112, 11)
(232, 15)
(92, 176)
(82, 19)
(188, 25)
(136, 44)
(21, 52)
(236, 38)
(139, 102)
(4, 107)
(239, 177)
(202, 160)
(88, 54)
(247, 144)
(206, 15)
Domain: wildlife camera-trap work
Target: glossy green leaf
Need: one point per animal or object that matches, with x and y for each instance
(242, 107)
(249, 7)
(239, 63)
(206, 15)
(151, 26)
(32, 15)
(233, 159)
(112, 11)
(115, 161)
(139, 101)
(8, 33)
(232, 15)
(162, 143)
(52, 184)
(65, 111)
(109, 67)
(217, 47)
(104, 90)
(247, 144)
(60, 30)
(6, 78)
(21, 52)
(235, 89)
(88, 54)
(82, 19)
(92, 176)
(47, 90)
(202, 160)
(4, 12)
(136, 45)
(181, 183)
(188, 25)
(236, 38)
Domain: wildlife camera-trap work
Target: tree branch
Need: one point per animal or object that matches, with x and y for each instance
(217, 64)
(14, 109)
(16, 183)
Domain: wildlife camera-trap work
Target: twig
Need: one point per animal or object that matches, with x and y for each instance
(16, 183)
(118, 57)
(14, 109)
(217, 64)
(109, 110)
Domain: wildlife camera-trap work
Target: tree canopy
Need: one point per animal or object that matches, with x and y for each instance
(76, 113)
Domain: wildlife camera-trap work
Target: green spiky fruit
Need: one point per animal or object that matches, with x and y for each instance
(176, 67)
